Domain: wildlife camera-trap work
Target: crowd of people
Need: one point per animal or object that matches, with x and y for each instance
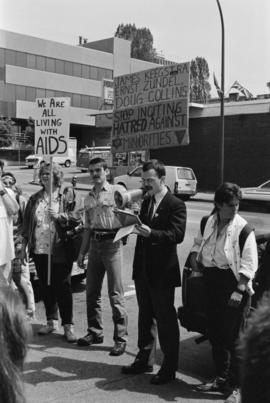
(37, 229)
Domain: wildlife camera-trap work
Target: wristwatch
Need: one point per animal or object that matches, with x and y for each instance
(2, 192)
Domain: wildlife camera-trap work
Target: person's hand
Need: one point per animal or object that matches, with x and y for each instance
(2, 187)
(80, 260)
(235, 299)
(52, 213)
(142, 230)
(196, 273)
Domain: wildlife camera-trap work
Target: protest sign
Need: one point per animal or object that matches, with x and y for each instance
(151, 109)
(51, 126)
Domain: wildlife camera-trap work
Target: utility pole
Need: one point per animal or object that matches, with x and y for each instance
(221, 142)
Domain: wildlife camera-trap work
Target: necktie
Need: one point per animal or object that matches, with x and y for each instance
(151, 208)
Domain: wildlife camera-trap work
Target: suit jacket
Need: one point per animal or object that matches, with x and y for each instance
(157, 254)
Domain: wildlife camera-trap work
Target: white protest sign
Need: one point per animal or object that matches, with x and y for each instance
(52, 126)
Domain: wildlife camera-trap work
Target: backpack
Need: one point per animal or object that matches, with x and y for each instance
(192, 313)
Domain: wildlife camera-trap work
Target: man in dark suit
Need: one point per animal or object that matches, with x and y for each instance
(156, 273)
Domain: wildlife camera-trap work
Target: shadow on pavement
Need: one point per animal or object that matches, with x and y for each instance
(196, 359)
(55, 368)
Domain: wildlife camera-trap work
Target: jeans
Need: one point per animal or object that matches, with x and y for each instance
(105, 256)
(58, 293)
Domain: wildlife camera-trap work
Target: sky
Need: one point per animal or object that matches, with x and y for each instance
(182, 30)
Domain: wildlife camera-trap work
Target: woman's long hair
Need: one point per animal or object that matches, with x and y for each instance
(14, 332)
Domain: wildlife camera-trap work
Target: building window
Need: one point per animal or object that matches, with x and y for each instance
(58, 94)
(20, 92)
(76, 100)
(40, 93)
(21, 59)
(2, 91)
(77, 70)
(2, 73)
(50, 64)
(93, 73)
(108, 74)
(85, 101)
(10, 93)
(41, 63)
(30, 94)
(10, 57)
(49, 93)
(30, 61)
(2, 57)
(85, 71)
(94, 101)
(101, 74)
(68, 68)
(59, 66)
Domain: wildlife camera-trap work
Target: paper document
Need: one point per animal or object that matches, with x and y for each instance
(124, 231)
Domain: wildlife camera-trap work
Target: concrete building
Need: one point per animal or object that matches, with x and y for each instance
(31, 67)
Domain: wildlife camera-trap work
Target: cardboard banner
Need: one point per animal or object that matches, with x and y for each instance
(151, 109)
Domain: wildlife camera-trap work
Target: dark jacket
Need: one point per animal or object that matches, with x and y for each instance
(67, 205)
(157, 255)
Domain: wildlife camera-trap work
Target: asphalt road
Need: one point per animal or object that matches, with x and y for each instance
(56, 371)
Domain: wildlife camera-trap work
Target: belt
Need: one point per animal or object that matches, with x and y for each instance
(102, 235)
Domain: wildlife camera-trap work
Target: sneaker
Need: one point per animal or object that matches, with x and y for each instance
(118, 348)
(89, 339)
(217, 385)
(69, 333)
(235, 396)
(52, 326)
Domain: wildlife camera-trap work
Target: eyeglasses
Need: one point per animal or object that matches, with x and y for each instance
(98, 170)
(45, 174)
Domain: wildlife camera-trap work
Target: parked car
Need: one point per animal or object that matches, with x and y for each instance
(256, 198)
(261, 192)
(180, 180)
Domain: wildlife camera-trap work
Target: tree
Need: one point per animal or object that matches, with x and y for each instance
(199, 84)
(141, 41)
(6, 131)
(30, 131)
(268, 85)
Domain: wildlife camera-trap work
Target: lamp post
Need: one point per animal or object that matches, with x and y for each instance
(221, 143)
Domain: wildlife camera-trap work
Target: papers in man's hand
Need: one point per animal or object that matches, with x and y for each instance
(122, 232)
(128, 221)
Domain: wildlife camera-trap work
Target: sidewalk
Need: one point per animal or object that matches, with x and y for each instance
(60, 372)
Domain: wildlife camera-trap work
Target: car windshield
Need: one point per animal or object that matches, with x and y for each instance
(266, 185)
